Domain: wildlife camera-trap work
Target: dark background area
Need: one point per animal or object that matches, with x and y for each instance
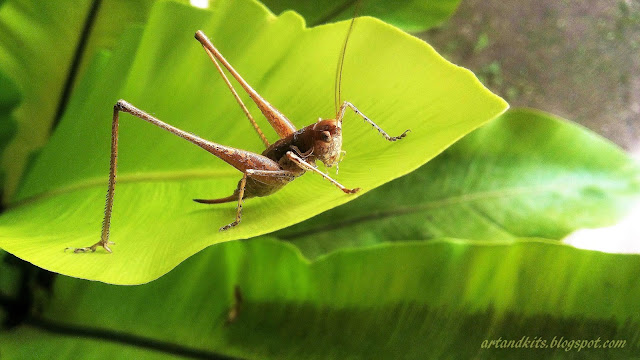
(576, 59)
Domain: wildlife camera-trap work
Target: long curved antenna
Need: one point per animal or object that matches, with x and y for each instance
(337, 95)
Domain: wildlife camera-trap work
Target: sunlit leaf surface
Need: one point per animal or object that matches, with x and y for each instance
(397, 80)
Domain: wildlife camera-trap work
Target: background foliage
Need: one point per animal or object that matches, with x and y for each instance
(412, 15)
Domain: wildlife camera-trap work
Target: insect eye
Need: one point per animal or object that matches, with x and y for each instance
(325, 136)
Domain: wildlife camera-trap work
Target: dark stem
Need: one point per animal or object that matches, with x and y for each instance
(75, 65)
(122, 338)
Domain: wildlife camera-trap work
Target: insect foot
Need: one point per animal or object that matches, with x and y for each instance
(351, 191)
(394, 138)
(92, 248)
(229, 226)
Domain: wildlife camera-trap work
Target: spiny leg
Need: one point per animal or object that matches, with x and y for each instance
(350, 105)
(306, 166)
(113, 163)
(239, 159)
(243, 183)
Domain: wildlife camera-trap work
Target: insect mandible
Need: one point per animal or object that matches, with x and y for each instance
(262, 174)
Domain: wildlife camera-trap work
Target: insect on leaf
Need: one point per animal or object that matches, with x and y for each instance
(397, 80)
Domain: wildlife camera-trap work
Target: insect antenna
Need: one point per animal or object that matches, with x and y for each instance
(337, 98)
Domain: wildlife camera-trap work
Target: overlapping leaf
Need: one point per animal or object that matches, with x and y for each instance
(396, 79)
(414, 15)
(527, 174)
(29, 53)
(420, 300)
(39, 43)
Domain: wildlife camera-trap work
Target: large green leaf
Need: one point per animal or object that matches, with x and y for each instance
(526, 174)
(398, 80)
(413, 15)
(417, 300)
(39, 42)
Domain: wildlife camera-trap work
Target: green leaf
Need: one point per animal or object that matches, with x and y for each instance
(39, 44)
(412, 16)
(526, 174)
(398, 80)
(9, 100)
(417, 300)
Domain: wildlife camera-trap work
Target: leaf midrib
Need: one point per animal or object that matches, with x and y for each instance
(128, 178)
(432, 204)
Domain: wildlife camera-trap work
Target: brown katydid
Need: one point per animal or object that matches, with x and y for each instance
(262, 174)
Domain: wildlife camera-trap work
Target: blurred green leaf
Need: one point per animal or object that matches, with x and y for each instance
(526, 174)
(36, 48)
(398, 80)
(9, 100)
(409, 15)
(38, 45)
(417, 300)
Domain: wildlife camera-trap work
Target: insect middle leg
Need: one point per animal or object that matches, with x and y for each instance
(241, 187)
(240, 159)
(273, 179)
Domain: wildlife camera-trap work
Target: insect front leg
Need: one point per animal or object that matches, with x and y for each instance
(306, 166)
(350, 105)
